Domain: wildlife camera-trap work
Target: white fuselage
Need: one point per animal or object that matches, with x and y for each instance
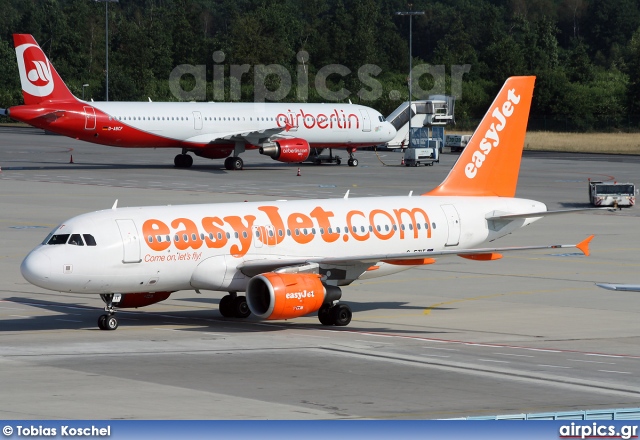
(203, 123)
(169, 248)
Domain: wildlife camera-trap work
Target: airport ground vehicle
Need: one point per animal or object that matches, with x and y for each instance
(427, 156)
(457, 142)
(612, 194)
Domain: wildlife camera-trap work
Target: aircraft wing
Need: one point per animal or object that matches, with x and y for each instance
(255, 137)
(255, 267)
(620, 287)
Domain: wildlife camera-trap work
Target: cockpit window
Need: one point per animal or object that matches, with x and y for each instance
(58, 239)
(88, 238)
(76, 240)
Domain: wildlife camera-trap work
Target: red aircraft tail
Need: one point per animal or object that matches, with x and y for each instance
(39, 79)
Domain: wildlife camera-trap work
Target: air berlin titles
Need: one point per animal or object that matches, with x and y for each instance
(491, 138)
(217, 232)
(322, 121)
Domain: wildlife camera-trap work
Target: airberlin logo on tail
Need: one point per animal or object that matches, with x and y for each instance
(35, 70)
(491, 138)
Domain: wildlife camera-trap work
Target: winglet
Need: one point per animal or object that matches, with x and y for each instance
(490, 163)
(584, 245)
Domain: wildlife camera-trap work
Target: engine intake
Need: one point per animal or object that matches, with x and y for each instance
(287, 150)
(285, 295)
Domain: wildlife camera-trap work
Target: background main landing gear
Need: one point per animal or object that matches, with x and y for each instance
(233, 163)
(183, 161)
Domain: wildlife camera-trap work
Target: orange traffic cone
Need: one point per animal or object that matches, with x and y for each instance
(71, 159)
(298, 172)
(402, 161)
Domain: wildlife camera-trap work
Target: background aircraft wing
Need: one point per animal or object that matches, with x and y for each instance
(621, 287)
(255, 267)
(254, 137)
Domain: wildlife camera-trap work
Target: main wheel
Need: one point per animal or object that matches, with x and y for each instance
(338, 161)
(240, 307)
(341, 315)
(226, 306)
(188, 161)
(111, 323)
(324, 315)
(237, 164)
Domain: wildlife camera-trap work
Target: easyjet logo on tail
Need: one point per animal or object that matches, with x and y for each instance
(38, 80)
(491, 139)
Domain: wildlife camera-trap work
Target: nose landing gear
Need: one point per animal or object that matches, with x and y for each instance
(109, 320)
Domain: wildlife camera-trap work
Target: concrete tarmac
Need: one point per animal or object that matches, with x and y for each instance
(528, 333)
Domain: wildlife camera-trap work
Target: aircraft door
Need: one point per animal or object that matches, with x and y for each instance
(89, 118)
(197, 120)
(453, 223)
(130, 241)
(366, 122)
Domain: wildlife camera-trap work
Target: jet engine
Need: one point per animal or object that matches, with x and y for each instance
(135, 300)
(288, 295)
(287, 150)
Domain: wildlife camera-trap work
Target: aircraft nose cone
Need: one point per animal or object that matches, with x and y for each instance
(36, 268)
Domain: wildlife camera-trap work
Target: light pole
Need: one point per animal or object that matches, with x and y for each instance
(106, 39)
(83, 86)
(410, 13)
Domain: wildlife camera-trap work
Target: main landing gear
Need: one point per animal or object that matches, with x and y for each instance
(234, 306)
(338, 314)
(183, 160)
(233, 163)
(109, 320)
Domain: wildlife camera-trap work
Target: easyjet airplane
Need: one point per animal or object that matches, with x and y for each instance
(285, 132)
(292, 257)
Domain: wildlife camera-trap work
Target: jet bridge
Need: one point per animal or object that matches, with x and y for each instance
(438, 110)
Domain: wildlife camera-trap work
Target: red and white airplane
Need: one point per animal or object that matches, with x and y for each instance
(286, 132)
(292, 257)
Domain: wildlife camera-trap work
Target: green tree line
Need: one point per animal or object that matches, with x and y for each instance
(585, 53)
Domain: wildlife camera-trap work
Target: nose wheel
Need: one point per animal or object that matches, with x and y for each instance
(109, 321)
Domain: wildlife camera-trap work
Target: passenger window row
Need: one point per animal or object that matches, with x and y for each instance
(280, 232)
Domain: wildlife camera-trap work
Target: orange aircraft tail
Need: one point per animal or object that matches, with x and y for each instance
(39, 79)
(490, 163)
